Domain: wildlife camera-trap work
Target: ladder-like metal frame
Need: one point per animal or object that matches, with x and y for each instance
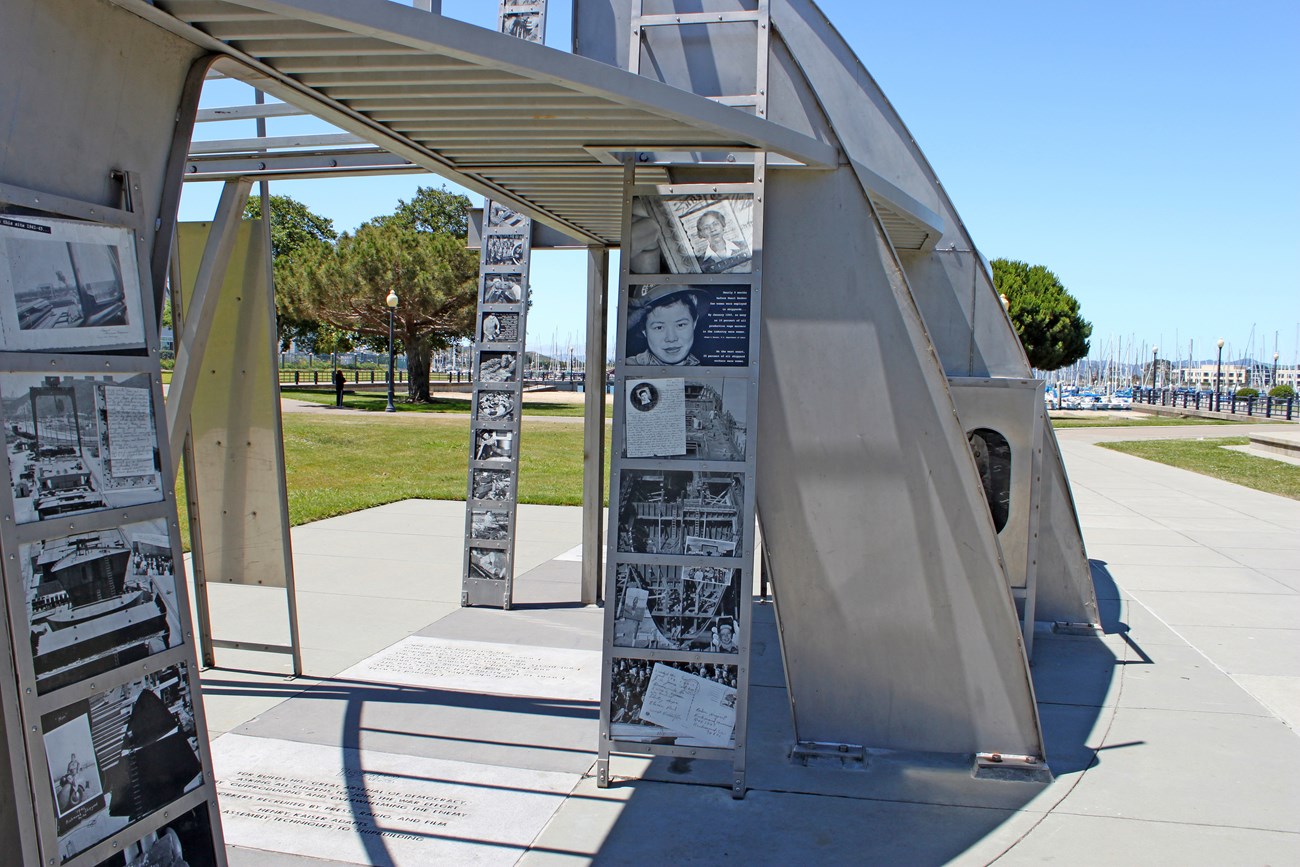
(744, 563)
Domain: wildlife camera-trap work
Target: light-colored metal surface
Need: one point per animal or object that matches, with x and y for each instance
(1010, 408)
(897, 623)
(463, 101)
(949, 281)
(898, 626)
(201, 306)
(234, 419)
(593, 435)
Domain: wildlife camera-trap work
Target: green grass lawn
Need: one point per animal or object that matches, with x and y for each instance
(1209, 458)
(377, 401)
(340, 464)
(1154, 421)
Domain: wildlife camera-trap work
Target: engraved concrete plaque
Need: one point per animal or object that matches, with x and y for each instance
(484, 667)
(374, 808)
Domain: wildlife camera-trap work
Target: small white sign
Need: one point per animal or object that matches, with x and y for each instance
(691, 705)
(656, 418)
(374, 808)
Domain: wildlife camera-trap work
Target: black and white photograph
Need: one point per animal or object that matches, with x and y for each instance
(495, 406)
(504, 250)
(494, 445)
(522, 25)
(687, 326)
(498, 366)
(711, 234)
(97, 601)
(489, 524)
(681, 512)
(501, 217)
(499, 328)
(503, 288)
(655, 421)
(79, 442)
(689, 608)
(493, 485)
(143, 755)
(67, 284)
(716, 412)
(683, 703)
(186, 841)
(488, 563)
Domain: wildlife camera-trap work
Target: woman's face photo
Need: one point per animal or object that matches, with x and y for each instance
(670, 332)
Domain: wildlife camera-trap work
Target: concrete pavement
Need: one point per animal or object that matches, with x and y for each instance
(1173, 736)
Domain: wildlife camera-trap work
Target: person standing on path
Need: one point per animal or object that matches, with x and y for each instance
(339, 382)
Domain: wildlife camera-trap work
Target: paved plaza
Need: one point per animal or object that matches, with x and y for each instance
(425, 733)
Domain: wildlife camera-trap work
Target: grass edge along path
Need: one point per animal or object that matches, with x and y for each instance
(377, 401)
(1154, 421)
(1209, 458)
(335, 465)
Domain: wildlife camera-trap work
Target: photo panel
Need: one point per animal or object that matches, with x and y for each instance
(499, 328)
(685, 326)
(522, 25)
(690, 704)
(681, 512)
(691, 608)
(498, 366)
(503, 288)
(501, 217)
(495, 406)
(494, 445)
(80, 442)
(119, 756)
(504, 250)
(693, 419)
(692, 234)
(99, 600)
(496, 485)
(186, 841)
(492, 525)
(488, 563)
(68, 285)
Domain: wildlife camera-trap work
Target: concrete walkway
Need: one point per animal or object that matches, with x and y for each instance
(1173, 736)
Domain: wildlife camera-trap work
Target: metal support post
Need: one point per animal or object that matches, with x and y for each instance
(593, 446)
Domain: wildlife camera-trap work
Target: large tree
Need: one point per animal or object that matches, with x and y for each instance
(1045, 315)
(345, 284)
(294, 226)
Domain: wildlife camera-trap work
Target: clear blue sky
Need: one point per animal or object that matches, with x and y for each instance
(1144, 151)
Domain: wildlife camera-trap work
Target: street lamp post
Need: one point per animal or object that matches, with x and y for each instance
(1218, 374)
(1155, 351)
(1273, 383)
(391, 301)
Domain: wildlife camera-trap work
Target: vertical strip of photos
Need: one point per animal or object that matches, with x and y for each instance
(496, 410)
(104, 681)
(492, 498)
(680, 563)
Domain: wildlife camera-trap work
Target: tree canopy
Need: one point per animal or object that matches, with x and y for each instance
(294, 227)
(345, 284)
(1045, 315)
(440, 212)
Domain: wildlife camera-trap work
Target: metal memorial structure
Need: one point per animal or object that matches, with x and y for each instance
(496, 405)
(896, 498)
(890, 575)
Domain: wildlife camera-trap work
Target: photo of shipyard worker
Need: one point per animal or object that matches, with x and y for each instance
(662, 324)
(718, 252)
(502, 289)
